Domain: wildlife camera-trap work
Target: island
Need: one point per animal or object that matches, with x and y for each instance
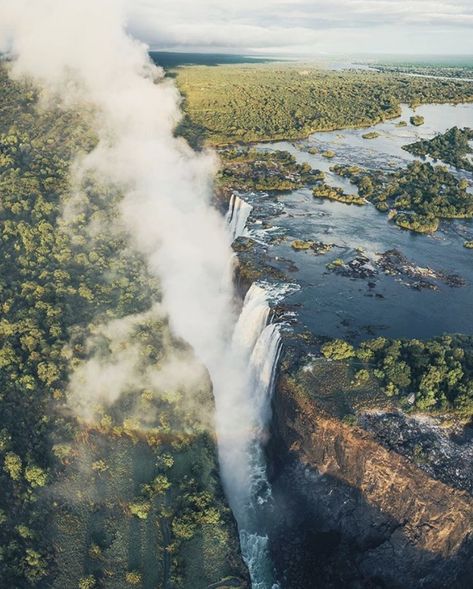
(417, 197)
(417, 120)
(453, 147)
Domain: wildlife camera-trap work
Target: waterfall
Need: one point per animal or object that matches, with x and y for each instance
(261, 377)
(237, 216)
(243, 414)
(256, 346)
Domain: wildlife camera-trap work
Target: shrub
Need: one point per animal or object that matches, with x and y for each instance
(338, 350)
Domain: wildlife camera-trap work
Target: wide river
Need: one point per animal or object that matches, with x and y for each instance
(333, 305)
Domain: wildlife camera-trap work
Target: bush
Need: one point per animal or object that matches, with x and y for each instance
(140, 510)
(87, 582)
(133, 578)
(338, 350)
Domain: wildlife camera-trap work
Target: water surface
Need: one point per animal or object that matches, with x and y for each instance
(333, 305)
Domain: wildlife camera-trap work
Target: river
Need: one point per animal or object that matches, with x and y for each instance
(329, 304)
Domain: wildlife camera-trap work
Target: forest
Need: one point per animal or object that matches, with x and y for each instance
(417, 197)
(429, 376)
(247, 169)
(249, 103)
(441, 69)
(128, 493)
(453, 147)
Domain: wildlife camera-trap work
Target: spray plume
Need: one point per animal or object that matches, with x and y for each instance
(80, 51)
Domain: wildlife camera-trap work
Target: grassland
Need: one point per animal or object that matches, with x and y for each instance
(249, 103)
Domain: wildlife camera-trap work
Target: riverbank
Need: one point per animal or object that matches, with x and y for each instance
(270, 102)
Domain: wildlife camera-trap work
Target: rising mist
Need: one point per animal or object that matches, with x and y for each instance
(81, 54)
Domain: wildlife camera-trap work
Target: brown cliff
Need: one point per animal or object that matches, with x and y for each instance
(354, 514)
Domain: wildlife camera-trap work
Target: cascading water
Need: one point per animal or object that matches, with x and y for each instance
(256, 343)
(237, 216)
(254, 541)
(260, 343)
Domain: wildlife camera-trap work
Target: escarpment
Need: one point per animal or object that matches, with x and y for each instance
(355, 514)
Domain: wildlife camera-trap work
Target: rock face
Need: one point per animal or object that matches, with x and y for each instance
(352, 513)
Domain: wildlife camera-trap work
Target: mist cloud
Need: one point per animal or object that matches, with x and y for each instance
(81, 52)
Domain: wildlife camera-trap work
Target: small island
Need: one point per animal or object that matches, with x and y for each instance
(329, 154)
(319, 248)
(416, 198)
(371, 135)
(334, 193)
(453, 147)
(247, 169)
(417, 120)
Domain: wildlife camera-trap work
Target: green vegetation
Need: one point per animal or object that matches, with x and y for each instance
(300, 245)
(417, 223)
(416, 197)
(338, 350)
(417, 120)
(452, 147)
(248, 103)
(468, 245)
(317, 247)
(441, 69)
(248, 169)
(335, 264)
(125, 484)
(371, 135)
(334, 193)
(439, 372)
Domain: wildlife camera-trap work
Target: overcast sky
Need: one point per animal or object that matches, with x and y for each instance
(305, 26)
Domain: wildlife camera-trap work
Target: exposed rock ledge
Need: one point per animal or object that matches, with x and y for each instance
(354, 514)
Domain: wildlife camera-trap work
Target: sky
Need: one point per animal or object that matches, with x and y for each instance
(305, 27)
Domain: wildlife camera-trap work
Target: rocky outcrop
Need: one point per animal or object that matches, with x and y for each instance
(352, 513)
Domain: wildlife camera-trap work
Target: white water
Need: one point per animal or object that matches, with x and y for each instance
(237, 216)
(255, 346)
(261, 344)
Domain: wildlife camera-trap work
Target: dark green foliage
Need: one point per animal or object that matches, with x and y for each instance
(323, 190)
(439, 372)
(68, 488)
(452, 147)
(53, 279)
(248, 103)
(417, 196)
(248, 169)
(417, 120)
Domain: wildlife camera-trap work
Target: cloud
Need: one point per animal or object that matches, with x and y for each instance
(117, 364)
(304, 25)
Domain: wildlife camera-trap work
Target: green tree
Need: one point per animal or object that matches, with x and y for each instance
(338, 350)
(12, 465)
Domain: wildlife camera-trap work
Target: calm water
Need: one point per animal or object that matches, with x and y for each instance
(333, 305)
